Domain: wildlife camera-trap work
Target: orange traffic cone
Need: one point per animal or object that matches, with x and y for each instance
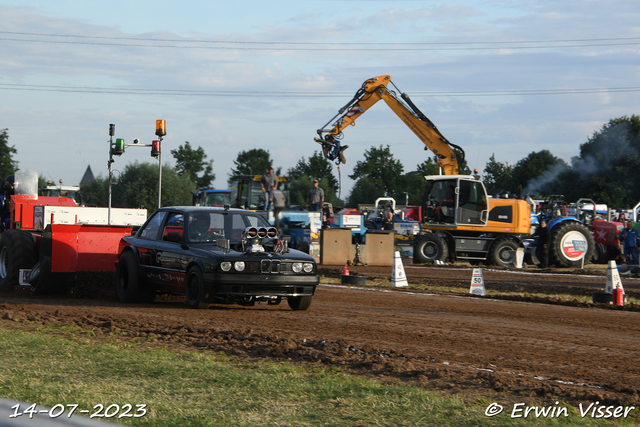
(345, 270)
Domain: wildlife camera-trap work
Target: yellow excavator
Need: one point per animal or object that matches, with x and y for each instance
(459, 219)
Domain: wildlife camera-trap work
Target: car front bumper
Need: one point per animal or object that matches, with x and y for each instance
(261, 284)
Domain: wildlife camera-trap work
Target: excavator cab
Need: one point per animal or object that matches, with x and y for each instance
(455, 200)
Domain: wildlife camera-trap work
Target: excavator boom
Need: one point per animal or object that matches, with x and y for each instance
(372, 91)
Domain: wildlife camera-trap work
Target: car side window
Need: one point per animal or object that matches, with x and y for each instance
(151, 230)
(175, 224)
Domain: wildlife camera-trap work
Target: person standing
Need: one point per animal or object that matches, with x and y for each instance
(267, 181)
(277, 201)
(630, 241)
(544, 235)
(315, 197)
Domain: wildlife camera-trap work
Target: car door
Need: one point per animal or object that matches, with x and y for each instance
(145, 243)
(168, 255)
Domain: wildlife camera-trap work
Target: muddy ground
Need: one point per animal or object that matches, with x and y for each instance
(508, 349)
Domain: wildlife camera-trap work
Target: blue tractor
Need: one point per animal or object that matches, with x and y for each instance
(572, 243)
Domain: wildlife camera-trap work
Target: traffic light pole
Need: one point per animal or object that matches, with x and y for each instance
(160, 175)
(112, 130)
(118, 150)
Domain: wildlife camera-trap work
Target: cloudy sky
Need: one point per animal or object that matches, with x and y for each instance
(496, 77)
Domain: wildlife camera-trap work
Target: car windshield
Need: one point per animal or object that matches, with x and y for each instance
(210, 226)
(218, 199)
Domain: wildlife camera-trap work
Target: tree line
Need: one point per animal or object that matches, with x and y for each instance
(604, 170)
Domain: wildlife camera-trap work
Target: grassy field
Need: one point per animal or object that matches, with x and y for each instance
(62, 366)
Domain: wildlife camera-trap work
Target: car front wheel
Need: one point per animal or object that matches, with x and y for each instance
(300, 303)
(196, 292)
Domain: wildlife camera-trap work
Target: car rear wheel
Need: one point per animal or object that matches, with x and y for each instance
(196, 292)
(300, 303)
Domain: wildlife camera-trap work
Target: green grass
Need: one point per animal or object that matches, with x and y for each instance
(208, 389)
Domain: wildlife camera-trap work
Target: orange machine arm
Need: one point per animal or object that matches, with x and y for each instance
(372, 91)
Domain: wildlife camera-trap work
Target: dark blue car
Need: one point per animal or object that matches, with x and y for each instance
(213, 255)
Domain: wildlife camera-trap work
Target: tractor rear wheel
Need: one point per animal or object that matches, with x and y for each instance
(430, 248)
(570, 244)
(17, 251)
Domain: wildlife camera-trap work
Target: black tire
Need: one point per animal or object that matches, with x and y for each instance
(196, 292)
(601, 297)
(430, 248)
(562, 252)
(600, 254)
(300, 303)
(17, 251)
(501, 253)
(34, 275)
(128, 279)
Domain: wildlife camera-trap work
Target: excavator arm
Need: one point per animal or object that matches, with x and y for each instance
(372, 91)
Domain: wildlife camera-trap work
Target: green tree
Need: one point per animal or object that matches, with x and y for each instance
(537, 174)
(299, 188)
(317, 167)
(97, 192)
(192, 162)
(138, 187)
(607, 168)
(365, 191)
(415, 182)
(380, 167)
(252, 162)
(7, 165)
(497, 175)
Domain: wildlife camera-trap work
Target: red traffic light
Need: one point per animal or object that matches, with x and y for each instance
(155, 148)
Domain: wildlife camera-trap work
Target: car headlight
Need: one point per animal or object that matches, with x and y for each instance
(297, 267)
(239, 265)
(308, 267)
(225, 266)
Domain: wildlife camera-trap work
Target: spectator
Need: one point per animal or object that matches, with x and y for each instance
(315, 197)
(325, 222)
(622, 218)
(387, 223)
(630, 241)
(544, 235)
(277, 201)
(267, 181)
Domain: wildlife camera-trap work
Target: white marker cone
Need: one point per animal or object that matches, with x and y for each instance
(613, 277)
(398, 278)
(477, 282)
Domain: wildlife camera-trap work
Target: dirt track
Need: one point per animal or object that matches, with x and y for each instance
(469, 346)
